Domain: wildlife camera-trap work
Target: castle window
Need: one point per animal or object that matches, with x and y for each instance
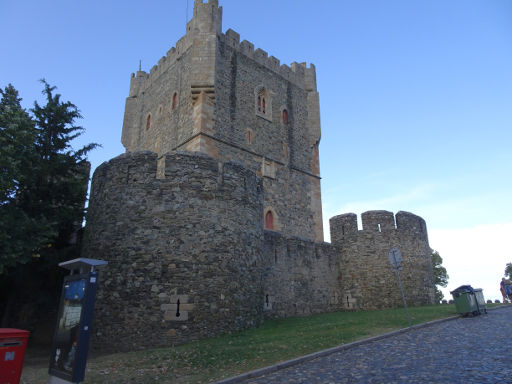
(174, 100)
(148, 122)
(263, 103)
(285, 116)
(269, 220)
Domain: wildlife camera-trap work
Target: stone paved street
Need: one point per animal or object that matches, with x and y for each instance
(466, 350)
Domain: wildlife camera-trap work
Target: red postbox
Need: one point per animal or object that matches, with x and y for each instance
(13, 343)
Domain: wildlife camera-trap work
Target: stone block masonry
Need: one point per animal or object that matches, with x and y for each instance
(184, 250)
(188, 255)
(300, 277)
(367, 278)
(203, 97)
(220, 137)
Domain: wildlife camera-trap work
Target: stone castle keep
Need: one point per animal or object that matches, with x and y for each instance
(212, 219)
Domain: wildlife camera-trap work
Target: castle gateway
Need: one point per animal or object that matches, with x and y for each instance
(212, 220)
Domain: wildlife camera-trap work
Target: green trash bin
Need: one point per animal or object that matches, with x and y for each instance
(480, 300)
(466, 301)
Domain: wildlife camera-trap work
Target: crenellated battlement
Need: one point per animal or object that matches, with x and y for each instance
(364, 258)
(297, 73)
(146, 167)
(215, 238)
(166, 237)
(409, 222)
(141, 80)
(207, 21)
(377, 222)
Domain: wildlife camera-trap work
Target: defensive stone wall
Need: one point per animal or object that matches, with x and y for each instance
(183, 235)
(202, 97)
(183, 231)
(300, 277)
(367, 277)
(297, 73)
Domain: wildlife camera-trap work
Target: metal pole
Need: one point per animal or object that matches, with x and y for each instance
(403, 296)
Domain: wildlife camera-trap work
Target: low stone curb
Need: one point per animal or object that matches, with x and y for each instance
(285, 364)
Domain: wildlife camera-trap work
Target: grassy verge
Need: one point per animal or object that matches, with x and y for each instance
(276, 340)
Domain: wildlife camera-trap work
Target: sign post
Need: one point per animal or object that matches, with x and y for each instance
(74, 321)
(395, 258)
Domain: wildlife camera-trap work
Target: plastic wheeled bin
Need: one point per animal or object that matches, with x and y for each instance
(480, 300)
(13, 343)
(466, 301)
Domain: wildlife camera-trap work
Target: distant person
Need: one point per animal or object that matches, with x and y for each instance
(503, 290)
(508, 290)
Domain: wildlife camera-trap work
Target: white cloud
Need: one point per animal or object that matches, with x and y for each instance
(475, 256)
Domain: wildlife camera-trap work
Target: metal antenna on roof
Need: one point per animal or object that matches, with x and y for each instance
(140, 65)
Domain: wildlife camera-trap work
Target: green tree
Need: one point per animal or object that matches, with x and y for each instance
(17, 135)
(43, 188)
(508, 270)
(20, 233)
(440, 275)
(58, 189)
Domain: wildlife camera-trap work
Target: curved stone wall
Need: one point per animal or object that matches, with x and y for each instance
(367, 279)
(183, 236)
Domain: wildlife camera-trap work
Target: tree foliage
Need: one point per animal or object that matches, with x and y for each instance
(440, 275)
(43, 181)
(508, 270)
(17, 136)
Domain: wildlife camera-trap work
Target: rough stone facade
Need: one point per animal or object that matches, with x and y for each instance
(367, 279)
(203, 96)
(212, 220)
(300, 277)
(184, 249)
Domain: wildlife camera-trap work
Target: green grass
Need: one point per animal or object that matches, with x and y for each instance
(276, 340)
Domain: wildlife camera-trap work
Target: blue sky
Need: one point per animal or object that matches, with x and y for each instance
(415, 98)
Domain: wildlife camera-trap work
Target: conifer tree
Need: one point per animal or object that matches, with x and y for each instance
(43, 187)
(20, 232)
(440, 275)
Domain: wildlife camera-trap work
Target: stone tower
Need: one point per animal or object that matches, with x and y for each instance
(211, 221)
(368, 280)
(219, 96)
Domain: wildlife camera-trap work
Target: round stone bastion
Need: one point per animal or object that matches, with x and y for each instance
(183, 237)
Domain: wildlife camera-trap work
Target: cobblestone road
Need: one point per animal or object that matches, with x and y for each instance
(466, 350)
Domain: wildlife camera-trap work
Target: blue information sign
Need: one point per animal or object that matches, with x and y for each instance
(71, 337)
